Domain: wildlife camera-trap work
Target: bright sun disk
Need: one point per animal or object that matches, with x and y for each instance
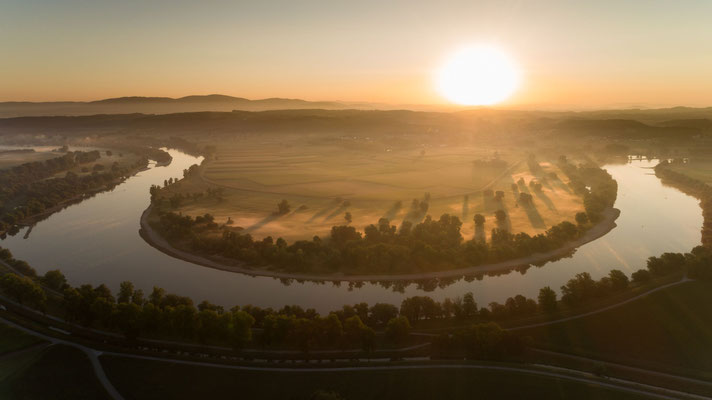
(478, 75)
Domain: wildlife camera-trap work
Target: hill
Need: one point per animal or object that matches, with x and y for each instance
(162, 105)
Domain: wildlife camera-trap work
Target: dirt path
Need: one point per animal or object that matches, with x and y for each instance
(634, 298)
(586, 314)
(91, 353)
(604, 226)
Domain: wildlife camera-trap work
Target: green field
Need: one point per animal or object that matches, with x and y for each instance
(700, 169)
(12, 340)
(139, 379)
(668, 330)
(55, 372)
(323, 182)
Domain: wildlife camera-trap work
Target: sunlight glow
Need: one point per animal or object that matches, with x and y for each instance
(478, 75)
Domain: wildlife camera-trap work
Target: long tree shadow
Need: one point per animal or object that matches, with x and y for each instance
(392, 212)
(506, 224)
(480, 233)
(522, 187)
(563, 186)
(465, 207)
(340, 210)
(325, 211)
(261, 223)
(490, 204)
(546, 200)
(534, 217)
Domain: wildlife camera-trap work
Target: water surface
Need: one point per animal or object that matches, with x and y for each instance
(97, 241)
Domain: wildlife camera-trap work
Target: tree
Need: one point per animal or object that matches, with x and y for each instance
(241, 332)
(54, 279)
(330, 329)
(578, 289)
(357, 332)
(348, 217)
(23, 290)
(128, 319)
(666, 263)
(126, 291)
(547, 299)
(381, 313)
(156, 296)
(469, 307)
(397, 330)
(619, 280)
(283, 207)
(641, 276)
(479, 219)
(525, 198)
(581, 218)
(500, 215)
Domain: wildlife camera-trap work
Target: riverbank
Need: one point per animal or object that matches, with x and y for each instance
(33, 219)
(604, 226)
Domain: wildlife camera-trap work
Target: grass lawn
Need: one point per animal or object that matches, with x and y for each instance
(323, 182)
(12, 339)
(668, 330)
(57, 372)
(140, 379)
(697, 169)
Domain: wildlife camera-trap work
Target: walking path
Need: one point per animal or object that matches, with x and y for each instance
(91, 353)
(540, 370)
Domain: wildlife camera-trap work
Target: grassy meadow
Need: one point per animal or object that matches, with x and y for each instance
(697, 168)
(324, 181)
(668, 330)
(140, 379)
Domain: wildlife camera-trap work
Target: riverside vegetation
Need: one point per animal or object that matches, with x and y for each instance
(34, 188)
(169, 316)
(383, 248)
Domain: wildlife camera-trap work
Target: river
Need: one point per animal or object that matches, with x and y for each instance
(97, 241)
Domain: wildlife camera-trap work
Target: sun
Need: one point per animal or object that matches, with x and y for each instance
(478, 75)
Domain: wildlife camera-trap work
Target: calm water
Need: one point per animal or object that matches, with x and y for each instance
(97, 241)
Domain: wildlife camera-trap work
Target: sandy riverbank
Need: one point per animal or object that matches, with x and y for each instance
(604, 226)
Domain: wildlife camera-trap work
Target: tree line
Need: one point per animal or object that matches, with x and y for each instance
(170, 316)
(30, 189)
(433, 244)
(696, 187)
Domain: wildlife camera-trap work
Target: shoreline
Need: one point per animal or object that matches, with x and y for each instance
(32, 220)
(597, 231)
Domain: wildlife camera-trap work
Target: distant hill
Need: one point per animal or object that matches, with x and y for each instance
(165, 105)
(703, 124)
(348, 122)
(621, 128)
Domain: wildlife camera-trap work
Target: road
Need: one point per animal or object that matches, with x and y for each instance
(540, 370)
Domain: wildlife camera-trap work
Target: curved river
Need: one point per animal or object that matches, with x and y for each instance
(97, 241)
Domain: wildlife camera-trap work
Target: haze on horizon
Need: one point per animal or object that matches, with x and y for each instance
(583, 55)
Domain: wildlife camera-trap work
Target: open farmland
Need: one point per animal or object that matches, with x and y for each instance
(11, 158)
(323, 182)
(696, 168)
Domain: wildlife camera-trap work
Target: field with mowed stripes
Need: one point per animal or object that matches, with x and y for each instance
(324, 182)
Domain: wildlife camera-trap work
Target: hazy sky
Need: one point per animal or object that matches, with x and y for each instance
(573, 54)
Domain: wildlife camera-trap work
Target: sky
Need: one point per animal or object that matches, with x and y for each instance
(571, 54)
